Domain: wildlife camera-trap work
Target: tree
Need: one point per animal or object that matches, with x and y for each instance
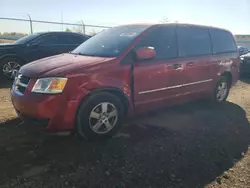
(68, 30)
(164, 20)
(77, 29)
(92, 33)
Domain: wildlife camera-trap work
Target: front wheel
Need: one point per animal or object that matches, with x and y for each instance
(100, 116)
(222, 90)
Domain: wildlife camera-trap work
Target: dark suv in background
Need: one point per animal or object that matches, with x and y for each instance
(244, 60)
(36, 46)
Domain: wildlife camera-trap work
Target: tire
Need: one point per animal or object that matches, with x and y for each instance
(11, 64)
(93, 114)
(223, 86)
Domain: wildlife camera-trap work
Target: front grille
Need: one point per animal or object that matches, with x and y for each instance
(21, 89)
(23, 79)
(21, 83)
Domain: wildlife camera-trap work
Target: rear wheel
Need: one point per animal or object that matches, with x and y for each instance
(222, 90)
(10, 67)
(100, 116)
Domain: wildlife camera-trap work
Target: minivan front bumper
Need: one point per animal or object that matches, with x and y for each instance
(54, 111)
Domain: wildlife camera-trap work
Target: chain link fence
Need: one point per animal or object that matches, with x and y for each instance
(18, 27)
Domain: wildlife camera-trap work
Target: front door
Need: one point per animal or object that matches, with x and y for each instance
(158, 81)
(45, 46)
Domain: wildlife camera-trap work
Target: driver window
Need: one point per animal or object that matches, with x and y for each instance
(163, 39)
(49, 39)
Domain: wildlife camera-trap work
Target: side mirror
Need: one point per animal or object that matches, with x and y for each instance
(145, 53)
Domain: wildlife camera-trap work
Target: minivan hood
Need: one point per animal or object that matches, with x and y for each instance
(59, 65)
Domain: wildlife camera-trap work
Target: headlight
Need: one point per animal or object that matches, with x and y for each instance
(241, 58)
(49, 85)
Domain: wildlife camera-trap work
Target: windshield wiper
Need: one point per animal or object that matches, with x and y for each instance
(83, 54)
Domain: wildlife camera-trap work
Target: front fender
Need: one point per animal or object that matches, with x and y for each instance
(108, 83)
(78, 88)
(12, 56)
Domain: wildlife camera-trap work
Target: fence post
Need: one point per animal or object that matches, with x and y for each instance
(83, 27)
(31, 29)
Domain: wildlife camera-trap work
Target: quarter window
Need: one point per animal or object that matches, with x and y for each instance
(223, 41)
(71, 39)
(193, 41)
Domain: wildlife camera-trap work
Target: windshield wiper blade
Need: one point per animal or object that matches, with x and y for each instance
(84, 54)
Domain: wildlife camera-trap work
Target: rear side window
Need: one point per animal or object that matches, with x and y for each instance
(223, 41)
(163, 40)
(193, 41)
(71, 39)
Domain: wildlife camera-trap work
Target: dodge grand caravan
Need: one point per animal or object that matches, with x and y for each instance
(124, 71)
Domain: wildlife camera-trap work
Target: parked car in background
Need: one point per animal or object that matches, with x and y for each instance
(36, 46)
(244, 60)
(242, 50)
(124, 71)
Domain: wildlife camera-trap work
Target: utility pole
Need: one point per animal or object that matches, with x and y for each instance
(31, 28)
(62, 20)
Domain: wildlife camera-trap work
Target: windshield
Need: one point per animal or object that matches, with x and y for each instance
(110, 43)
(26, 39)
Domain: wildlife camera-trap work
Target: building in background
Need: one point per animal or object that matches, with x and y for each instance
(243, 40)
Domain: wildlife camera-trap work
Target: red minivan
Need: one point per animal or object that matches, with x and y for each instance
(124, 71)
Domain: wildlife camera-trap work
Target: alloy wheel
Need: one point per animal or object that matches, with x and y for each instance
(222, 91)
(10, 69)
(103, 118)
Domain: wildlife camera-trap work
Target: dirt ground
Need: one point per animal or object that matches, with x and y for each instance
(193, 145)
(6, 41)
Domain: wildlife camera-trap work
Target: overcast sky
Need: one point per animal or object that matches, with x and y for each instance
(230, 14)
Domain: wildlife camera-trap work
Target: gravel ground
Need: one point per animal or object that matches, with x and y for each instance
(192, 145)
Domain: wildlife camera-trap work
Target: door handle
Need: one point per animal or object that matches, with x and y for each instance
(190, 64)
(176, 66)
